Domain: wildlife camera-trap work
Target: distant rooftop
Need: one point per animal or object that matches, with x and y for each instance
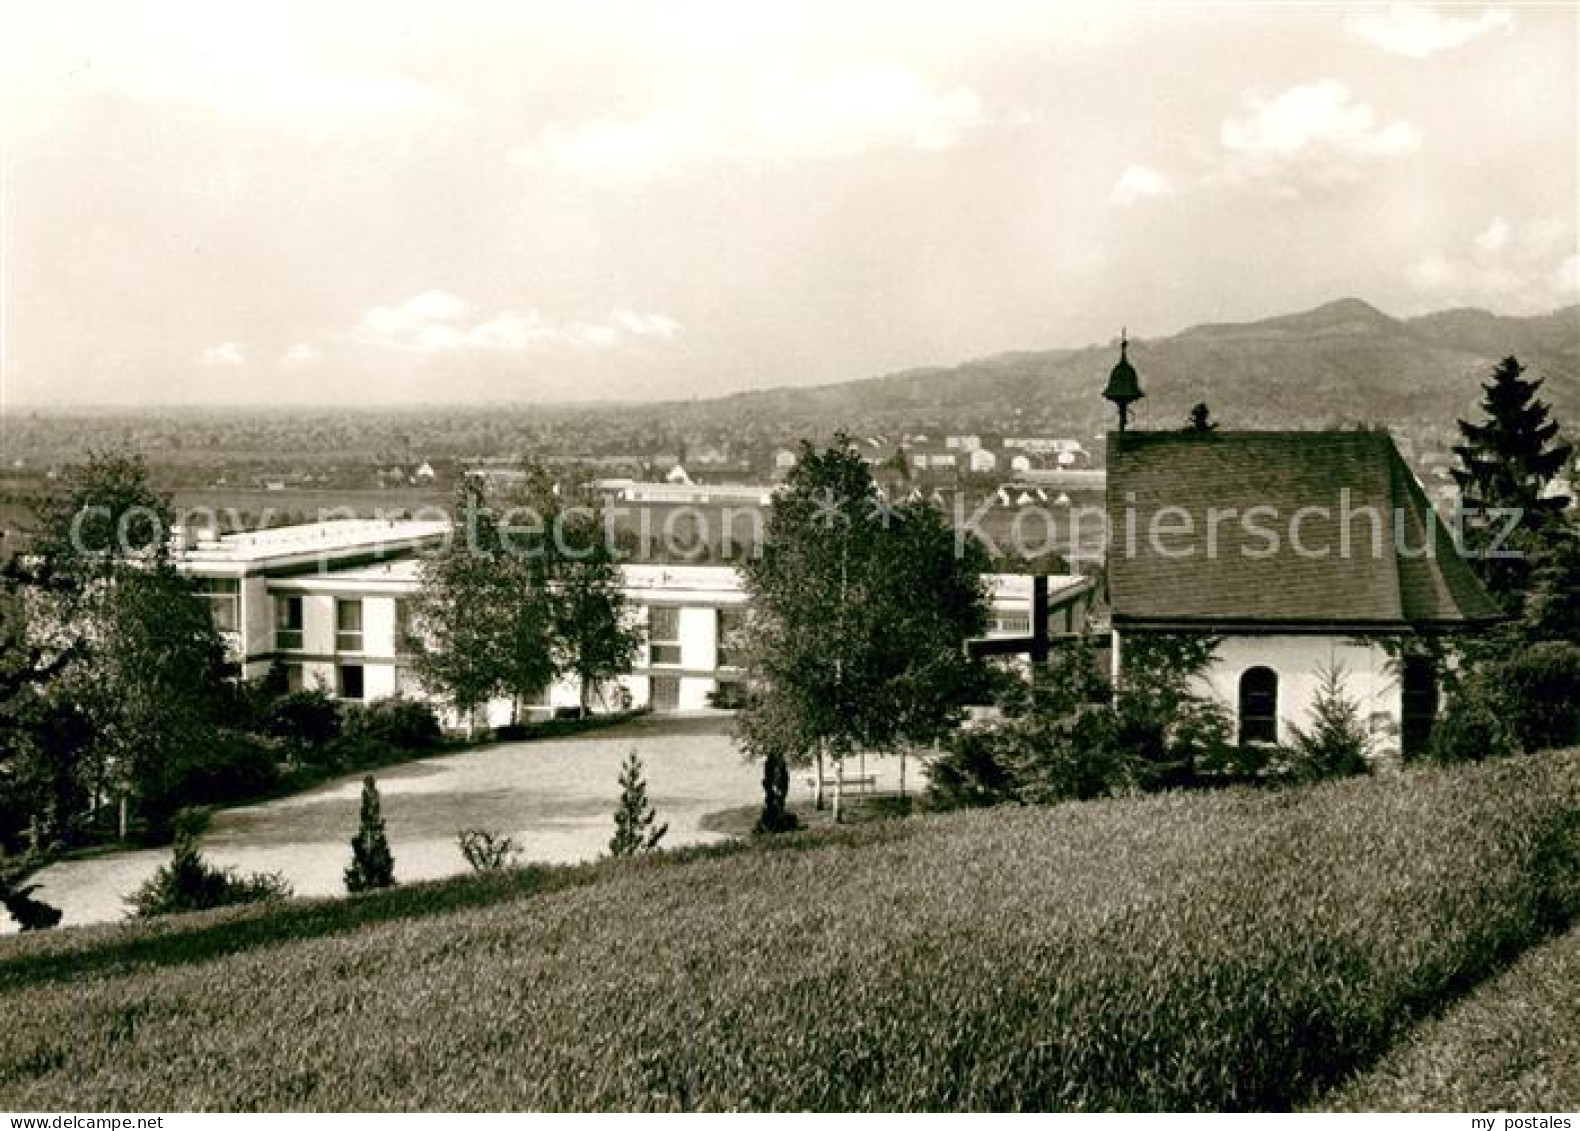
(336, 539)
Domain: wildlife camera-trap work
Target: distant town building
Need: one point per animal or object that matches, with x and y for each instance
(981, 460)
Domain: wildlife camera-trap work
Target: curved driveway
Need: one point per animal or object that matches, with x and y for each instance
(555, 796)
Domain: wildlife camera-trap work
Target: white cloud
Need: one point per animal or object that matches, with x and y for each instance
(1316, 132)
(440, 322)
(1419, 30)
(303, 355)
(837, 115)
(1494, 237)
(1139, 182)
(226, 355)
(1530, 265)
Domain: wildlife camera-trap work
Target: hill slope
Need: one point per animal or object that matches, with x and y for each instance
(1208, 951)
(1344, 362)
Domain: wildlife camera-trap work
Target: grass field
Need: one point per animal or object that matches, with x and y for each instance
(1511, 1045)
(1229, 951)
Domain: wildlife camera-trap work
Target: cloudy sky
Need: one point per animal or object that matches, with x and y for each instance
(395, 202)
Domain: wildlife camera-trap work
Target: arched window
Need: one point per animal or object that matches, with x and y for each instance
(1418, 704)
(1259, 705)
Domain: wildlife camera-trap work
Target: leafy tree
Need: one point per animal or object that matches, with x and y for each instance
(153, 686)
(138, 677)
(372, 863)
(860, 612)
(1507, 463)
(484, 620)
(44, 737)
(104, 513)
(528, 590)
(1167, 727)
(636, 828)
(596, 639)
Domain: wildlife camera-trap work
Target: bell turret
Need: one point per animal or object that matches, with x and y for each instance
(1124, 388)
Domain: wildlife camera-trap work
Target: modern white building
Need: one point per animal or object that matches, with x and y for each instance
(331, 603)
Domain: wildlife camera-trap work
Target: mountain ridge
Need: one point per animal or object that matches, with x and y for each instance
(1341, 362)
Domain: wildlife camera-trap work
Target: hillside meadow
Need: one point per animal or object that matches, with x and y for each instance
(1238, 950)
(1512, 1044)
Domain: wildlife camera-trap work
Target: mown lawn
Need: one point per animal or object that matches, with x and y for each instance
(1511, 1045)
(1239, 950)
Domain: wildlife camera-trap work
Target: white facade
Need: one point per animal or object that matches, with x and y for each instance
(1370, 680)
(340, 621)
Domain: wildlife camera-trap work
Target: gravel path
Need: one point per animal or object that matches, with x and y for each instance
(555, 796)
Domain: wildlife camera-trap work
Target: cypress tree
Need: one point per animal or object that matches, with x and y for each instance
(635, 822)
(1507, 463)
(372, 864)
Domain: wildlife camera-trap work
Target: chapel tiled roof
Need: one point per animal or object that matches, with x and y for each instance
(1280, 499)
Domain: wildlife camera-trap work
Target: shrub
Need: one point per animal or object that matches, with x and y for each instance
(404, 724)
(372, 863)
(190, 883)
(970, 772)
(308, 720)
(1470, 729)
(729, 695)
(236, 767)
(1059, 740)
(30, 914)
(1538, 690)
(1338, 743)
(487, 851)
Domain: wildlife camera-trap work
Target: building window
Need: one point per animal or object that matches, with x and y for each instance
(287, 623)
(1418, 705)
(1012, 624)
(293, 678)
(351, 681)
(223, 597)
(731, 621)
(1259, 705)
(663, 636)
(666, 693)
(405, 635)
(348, 625)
